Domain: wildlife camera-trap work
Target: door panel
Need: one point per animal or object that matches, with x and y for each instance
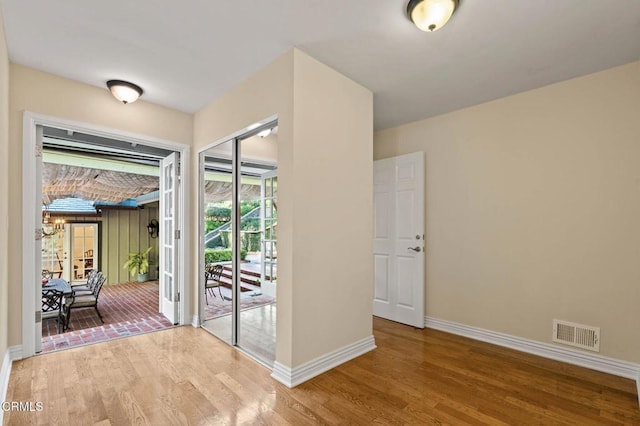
(168, 253)
(399, 239)
(38, 249)
(269, 222)
(381, 293)
(84, 249)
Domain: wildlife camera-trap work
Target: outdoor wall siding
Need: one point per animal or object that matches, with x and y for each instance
(121, 232)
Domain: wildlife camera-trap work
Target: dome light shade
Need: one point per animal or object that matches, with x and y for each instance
(124, 91)
(431, 15)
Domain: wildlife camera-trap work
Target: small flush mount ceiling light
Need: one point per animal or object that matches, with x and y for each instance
(124, 91)
(431, 15)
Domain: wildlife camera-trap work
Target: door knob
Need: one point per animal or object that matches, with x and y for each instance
(416, 249)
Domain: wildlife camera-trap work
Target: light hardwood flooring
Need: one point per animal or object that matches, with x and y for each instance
(186, 376)
(257, 334)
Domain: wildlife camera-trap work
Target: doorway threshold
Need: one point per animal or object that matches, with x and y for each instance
(104, 333)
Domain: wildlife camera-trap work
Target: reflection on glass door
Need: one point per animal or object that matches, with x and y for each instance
(269, 216)
(239, 305)
(218, 270)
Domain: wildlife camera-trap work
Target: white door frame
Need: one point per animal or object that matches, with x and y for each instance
(32, 220)
(268, 289)
(169, 266)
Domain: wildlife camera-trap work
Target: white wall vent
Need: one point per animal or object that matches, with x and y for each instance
(578, 335)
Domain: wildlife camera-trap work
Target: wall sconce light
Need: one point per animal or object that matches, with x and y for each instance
(124, 91)
(154, 228)
(431, 15)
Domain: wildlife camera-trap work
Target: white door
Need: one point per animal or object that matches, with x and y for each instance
(84, 251)
(169, 184)
(398, 252)
(37, 255)
(269, 222)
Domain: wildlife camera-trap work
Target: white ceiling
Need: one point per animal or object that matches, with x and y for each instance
(187, 53)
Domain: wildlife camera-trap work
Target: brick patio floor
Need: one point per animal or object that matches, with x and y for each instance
(127, 309)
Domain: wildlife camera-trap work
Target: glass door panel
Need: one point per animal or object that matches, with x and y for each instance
(169, 187)
(84, 250)
(257, 318)
(218, 242)
(240, 207)
(53, 250)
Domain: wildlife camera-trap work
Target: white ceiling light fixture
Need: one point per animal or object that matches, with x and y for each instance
(431, 15)
(124, 91)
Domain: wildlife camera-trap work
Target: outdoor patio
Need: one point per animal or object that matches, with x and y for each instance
(251, 294)
(127, 309)
(219, 307)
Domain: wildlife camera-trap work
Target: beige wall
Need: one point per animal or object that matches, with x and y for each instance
(324, 156)
(4, 188)
(332, 190)
(533, 209)
(266, 93)
(44, 93)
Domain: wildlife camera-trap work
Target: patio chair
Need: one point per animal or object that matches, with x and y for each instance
(77, 301)
(52, 307)
(212, 275)
(93, 278)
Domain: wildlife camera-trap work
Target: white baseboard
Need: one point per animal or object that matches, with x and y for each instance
(195, 321)
(5, 371)
(15, 352)
(293, 377)
(601, 363)
(11, 354)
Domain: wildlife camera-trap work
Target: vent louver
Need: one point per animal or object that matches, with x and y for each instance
(578, 335)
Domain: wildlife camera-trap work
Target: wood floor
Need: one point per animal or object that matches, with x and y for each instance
(257, 331)
(186, 376)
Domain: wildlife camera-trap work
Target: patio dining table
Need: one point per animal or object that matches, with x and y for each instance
(58, 284)
(50, 307)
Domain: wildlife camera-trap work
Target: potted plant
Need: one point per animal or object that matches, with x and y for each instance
(139, 262)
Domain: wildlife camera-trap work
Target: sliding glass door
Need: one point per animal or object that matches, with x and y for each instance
(239, 223)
